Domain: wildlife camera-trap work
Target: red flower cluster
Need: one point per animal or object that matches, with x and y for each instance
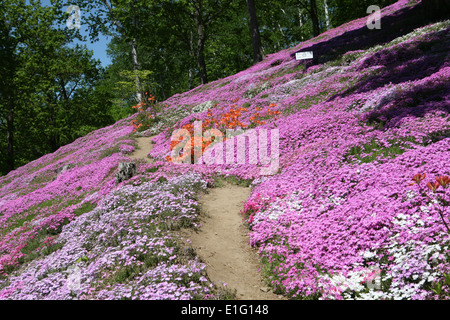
(441, 181)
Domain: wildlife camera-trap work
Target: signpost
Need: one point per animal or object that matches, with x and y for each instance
(304, 55)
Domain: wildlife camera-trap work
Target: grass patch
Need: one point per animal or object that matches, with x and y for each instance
(5, 182)
(271, 277)
(436, 136)
(283, 72)
(20, 219)
(109, 152)
(85, 207)
(153, 169)
(223, 84)
(36, 247)
(345, 59)
(246, 105)
(220, 181)
(224, 293)
(44, 178)
(307, 102)
(373, 150)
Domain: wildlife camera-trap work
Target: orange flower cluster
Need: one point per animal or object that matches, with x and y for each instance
(137, 124)
(147, 98)
(228, 120)
(256, 118)
(192, 148)
(143, 108)
(417, 178)
(139, 106)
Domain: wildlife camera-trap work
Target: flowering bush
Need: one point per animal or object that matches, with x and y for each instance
(231, 120)
(148, 110)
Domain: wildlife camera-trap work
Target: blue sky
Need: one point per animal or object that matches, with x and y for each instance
(99, 47)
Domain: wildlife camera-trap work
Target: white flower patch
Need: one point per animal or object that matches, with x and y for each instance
(259, 180)
(279, 207)
(379, 99)
(202, 107)
(336, 200)
(356, 282)
(416, 260)
(400, 219)
(368, 254)
(253, 90)
(410, 194)
(289, 86)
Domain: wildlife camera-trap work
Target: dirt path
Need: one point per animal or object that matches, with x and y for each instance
(144, 146)
(222, 243)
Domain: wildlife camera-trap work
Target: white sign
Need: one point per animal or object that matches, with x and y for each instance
(304, 55)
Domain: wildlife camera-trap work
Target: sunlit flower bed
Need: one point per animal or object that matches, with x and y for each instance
(359, 208)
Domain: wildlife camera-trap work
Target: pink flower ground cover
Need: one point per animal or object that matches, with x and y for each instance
(338, 220)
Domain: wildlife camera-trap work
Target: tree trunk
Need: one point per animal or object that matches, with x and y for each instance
(192, 55)
(134, 56)
(7, 93)
(133, 44)
(327, 14)
(191, 78)
(258, 54)
(10, 161)
(300, 22)
(314, 17)
(53, 138)
(201, 38)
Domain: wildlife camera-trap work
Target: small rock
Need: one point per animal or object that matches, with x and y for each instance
(64, 168)
(126, 171)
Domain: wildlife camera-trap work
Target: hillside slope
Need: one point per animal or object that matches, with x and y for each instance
(337, 219)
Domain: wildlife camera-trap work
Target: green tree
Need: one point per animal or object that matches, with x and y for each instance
(27, 32)
(47, 89)
(120, 18)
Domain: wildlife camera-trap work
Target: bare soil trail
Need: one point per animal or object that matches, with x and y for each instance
(144, 146)
(222, 243)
